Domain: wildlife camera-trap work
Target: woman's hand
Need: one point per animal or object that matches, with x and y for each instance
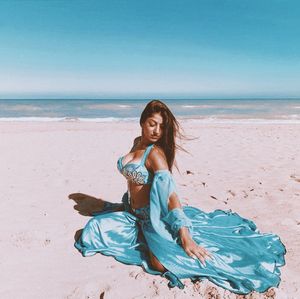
(191, 248)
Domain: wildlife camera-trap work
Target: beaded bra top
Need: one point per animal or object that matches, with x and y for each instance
(136, 171)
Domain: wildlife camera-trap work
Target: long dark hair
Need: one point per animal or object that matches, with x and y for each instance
(171, 129)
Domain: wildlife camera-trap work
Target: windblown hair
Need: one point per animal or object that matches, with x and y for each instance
(171, 129)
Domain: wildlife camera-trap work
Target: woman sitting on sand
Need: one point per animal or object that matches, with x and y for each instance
(151, 228)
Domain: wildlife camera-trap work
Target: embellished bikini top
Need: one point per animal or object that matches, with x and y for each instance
(136, 171)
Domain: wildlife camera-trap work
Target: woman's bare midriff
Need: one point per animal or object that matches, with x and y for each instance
(139, 195)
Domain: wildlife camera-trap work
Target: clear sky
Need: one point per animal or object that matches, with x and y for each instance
(153, 48)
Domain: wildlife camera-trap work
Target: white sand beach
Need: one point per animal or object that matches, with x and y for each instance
(252, 169)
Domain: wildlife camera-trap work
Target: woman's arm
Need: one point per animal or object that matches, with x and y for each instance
(157, 161)
(188, 244)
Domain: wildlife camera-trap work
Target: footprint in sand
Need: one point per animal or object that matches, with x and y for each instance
(197, 286)
(47, 242)
(231, 192)
(137, 274)
(21, 239)
(155, 288)
(295, 178)
(189, 172)
(245, 194)
(270, 294)
(212, 293)
(102, 294)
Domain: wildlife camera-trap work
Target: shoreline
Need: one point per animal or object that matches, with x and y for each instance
(196, 120)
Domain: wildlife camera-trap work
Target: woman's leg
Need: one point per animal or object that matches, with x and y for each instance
(114, 234)
(156, 265)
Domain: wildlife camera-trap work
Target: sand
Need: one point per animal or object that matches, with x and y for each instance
(252, 169)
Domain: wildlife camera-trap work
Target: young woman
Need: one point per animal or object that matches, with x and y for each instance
(151, 228)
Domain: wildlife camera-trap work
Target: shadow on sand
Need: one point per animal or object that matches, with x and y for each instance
(87, 205)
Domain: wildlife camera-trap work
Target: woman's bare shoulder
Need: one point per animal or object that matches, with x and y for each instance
(157, 158)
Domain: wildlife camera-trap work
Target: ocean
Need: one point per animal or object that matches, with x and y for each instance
(106, 110)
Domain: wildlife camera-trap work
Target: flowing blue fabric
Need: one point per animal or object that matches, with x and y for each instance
(243, 258)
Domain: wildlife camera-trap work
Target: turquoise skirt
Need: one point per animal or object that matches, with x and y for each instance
(244, 260)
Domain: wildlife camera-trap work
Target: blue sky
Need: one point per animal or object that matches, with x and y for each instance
(138, 48)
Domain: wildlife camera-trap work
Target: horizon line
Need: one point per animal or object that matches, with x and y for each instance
(158, 98)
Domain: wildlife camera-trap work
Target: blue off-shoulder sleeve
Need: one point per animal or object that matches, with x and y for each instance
(176, 218)
(166, 223)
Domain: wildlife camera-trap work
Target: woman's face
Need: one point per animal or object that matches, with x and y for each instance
(152, 128)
